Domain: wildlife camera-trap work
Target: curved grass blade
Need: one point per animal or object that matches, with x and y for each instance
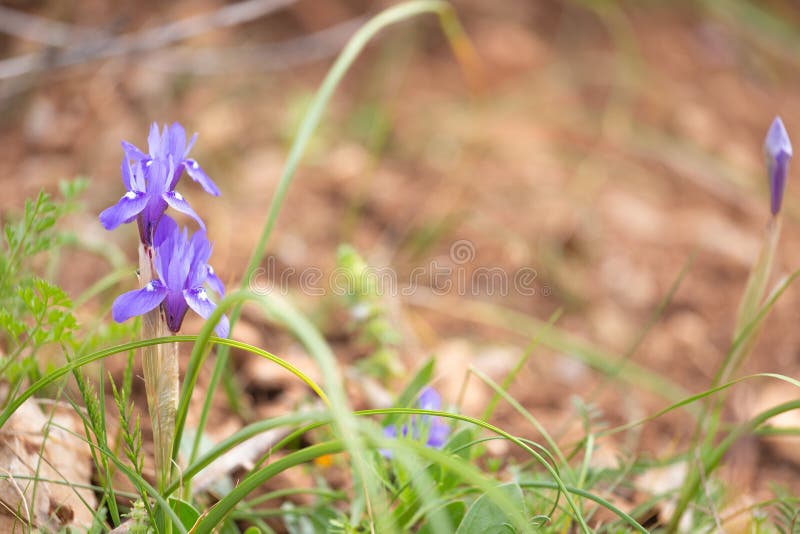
(199, 354)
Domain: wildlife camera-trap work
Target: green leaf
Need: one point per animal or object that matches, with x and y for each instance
(459, 445)
(486, 517)
(459, 441)
(187, 513)
(454, 511)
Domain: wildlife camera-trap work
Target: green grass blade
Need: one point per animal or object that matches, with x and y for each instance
(592, 497)
(199, 354)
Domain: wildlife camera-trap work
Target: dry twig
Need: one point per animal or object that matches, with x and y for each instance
(142, 41)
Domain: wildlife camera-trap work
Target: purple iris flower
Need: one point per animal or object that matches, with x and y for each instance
(434, 430)
(171, 142)
(148, 193)
(182, 267)
(778, 150)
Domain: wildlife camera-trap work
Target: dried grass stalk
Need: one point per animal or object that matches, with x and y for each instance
(160, 366)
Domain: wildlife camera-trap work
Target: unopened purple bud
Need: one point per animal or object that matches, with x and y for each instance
(778, 150)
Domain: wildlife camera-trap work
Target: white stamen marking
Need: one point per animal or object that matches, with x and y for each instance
(149, 162)
(201, 294)
(210, 269)
(130, 195)
(150, 287)
(195, 165)
(177, 195)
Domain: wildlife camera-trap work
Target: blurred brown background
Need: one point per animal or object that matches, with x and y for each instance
(606, 144)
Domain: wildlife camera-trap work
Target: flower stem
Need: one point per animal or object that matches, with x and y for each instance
(160, 366)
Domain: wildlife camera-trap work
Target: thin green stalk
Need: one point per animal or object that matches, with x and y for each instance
(64, 482)
(109, 495)
(522, 411)
(238, 437)
(753, 297)
(344, 421)
(94, 423)
(200, 352)
(592, 497)
(744, 335)
(288, 492)
(552, 471)
(11, 258)
(398, 13)
(311, 120)
(139, 482)
(752, 314)
(587, 458)
(216, 514)
(693, 398)
(56, 374)
(509, 379)
(294, 418)
(714, 455)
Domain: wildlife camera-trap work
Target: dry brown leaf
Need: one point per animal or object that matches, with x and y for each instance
(43, 463)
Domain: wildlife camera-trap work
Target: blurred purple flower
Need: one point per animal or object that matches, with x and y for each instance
(778, 150)
(171, 142)
(432, 429)
(182, 267)
(148, 195)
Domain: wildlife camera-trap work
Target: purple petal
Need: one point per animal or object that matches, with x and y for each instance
(151, 214)
(158, 176)
(777, 168)
(189, 146)
(175, 309)
(200, 247)
(778, 149)
(172, 261)
(429, 399)
(198, 252)
(176, 141)
(178, 203)
(214, 282)
(197, 174)
(167, 228)
(198, 300)
(132, 152)
(138, 301)
(777, 141)
(128, 207)
(154, 141)
(180, 263)
(138, 181)
(437, 433)
(125, 171)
